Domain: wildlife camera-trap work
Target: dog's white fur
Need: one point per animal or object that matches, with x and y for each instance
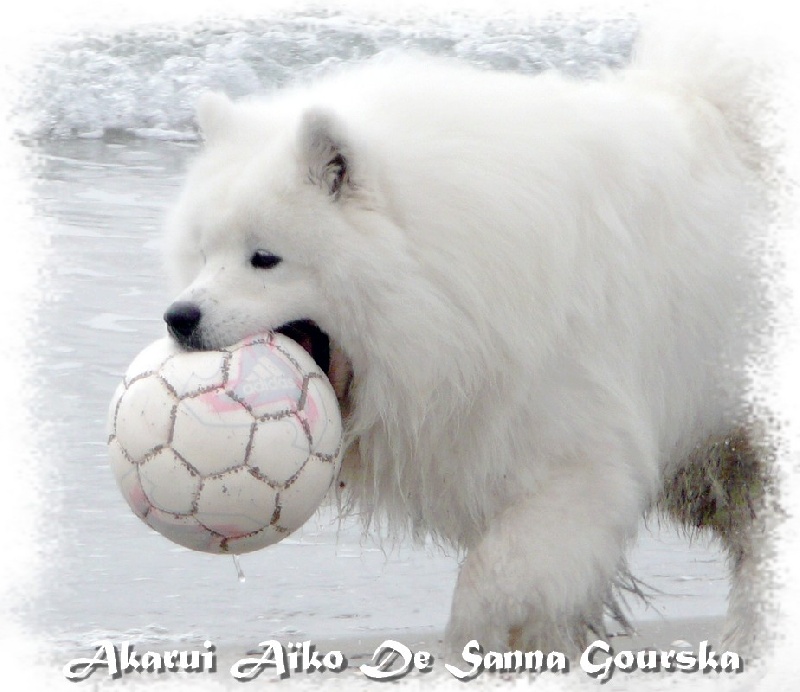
(540, 284)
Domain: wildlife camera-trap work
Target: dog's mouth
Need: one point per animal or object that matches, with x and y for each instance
(183, 320)
(312, 339)
(326, 354)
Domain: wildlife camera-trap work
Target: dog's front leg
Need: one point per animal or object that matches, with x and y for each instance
(539, 575)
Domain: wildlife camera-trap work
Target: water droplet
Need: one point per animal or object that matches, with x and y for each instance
(238, 568)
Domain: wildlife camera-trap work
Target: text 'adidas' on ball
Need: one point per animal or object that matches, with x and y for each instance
(225, 451)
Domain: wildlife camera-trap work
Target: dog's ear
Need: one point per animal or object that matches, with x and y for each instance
(214, 114)
(324, 152)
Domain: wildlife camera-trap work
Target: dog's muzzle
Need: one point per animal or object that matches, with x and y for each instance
(183, 322)
(183, 319)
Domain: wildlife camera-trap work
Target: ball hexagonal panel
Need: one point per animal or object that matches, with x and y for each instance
(144, 417)
(279, 449)
(235, 503)
(169, 483)
(184, 530)
(212, 432)
(253, 541)
(195, 372)
(127, 476)
(302, 498)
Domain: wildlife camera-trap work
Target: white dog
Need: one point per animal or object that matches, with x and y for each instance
(533, 295)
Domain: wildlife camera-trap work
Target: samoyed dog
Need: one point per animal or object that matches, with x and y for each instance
(533, 295)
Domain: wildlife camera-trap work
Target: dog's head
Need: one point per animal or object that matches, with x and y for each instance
(327, 223)
(256, 240)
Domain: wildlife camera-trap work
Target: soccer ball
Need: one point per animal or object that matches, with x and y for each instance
(225, 451)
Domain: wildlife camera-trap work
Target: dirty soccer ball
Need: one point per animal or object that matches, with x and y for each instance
(225, 451)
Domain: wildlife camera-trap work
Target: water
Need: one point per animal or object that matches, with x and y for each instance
(147, 81)
(239, 570)
(110, 125)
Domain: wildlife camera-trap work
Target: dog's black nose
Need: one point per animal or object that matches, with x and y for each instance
(182, 319)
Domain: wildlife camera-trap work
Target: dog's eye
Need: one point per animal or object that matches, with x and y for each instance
(263, 259)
